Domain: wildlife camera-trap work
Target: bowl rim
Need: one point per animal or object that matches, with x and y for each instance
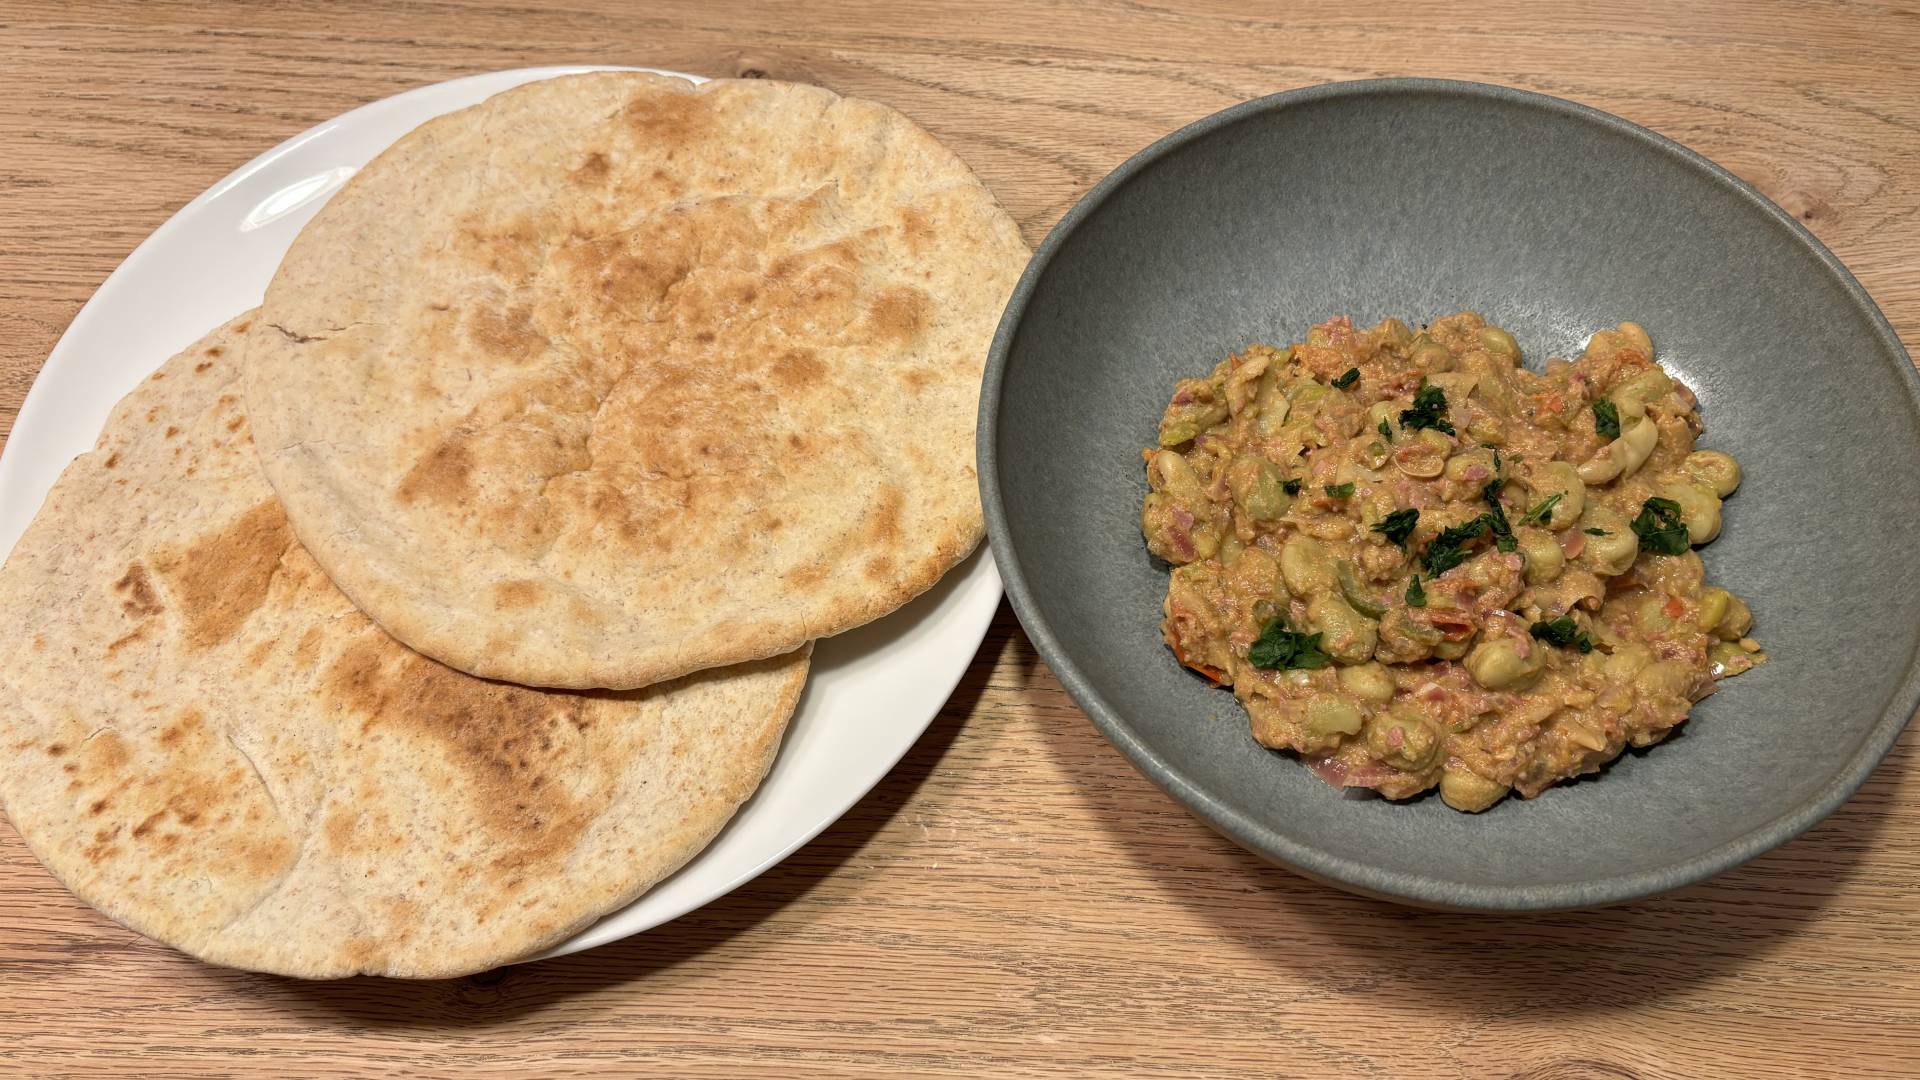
(1418, 889)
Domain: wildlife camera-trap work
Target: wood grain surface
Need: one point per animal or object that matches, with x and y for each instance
(1014, 899)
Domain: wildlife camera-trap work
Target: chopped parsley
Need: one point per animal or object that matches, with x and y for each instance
(1291, 487)
(1340, 491)
(1416, 596)
(1562, 631)
(1595, 532)
(1496, 516)
(1352, 376)
(1539, 514)
(1385, 431)
(1660, 527)
(1278, 647)
(1449, 549)
(1429, 410)
(1398, 525)
(1606, 418)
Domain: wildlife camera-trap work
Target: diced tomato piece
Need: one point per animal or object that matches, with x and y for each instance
(1219, 677)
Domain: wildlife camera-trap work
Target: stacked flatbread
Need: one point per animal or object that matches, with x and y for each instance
(614, 389)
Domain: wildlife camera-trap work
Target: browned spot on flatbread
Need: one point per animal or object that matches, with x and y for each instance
(308, 650)
(509, 595)
(197, 781)
(898, 315)
(584, 613)
(882, 527)
(507, 334)
(138, 633)
(626, 273)
(223, 577)
(667, 119)
(339, 829)
(498, 739)
(442, 476)
(797, 369)
(188, 723)
(137, 597)
(236, 423)
(56, 749)
(806, 577)
(218, 350)
(512, 251)
(593, 170)
(917, 230)
(112, 460)
(170, 432)
(202, 366)
(878, 568)
(105, 752)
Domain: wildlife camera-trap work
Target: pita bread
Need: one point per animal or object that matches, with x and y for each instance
(610, 378)
(207, 742)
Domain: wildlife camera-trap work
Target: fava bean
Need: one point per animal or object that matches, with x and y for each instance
(1347, 635)
(1404, 740)
(1506, 663)
(1718, 471)
(1329, 715)
(1368, 682)
(1306, 566)
(1545, 559)
(1469, 791)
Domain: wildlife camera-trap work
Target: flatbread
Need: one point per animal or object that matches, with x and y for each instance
(609, 378)
(206, 741)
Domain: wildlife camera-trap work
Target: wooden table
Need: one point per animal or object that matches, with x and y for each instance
(1014, 899)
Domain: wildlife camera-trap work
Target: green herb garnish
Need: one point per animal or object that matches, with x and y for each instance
(1352, 376)
(1496, 516)
(1562, 631)
(1340, 491)
(1595, 532)
(1449, 549)
(1429, 410)
(1398, 525)
(1291, 487)
(1278, 647)
(1416, 596)
(1385, 431)
(1539, 514)
(1660, 527)
(1606, 418)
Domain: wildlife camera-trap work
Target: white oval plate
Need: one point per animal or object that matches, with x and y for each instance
(872, 692)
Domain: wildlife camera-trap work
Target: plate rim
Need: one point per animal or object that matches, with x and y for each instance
(974, 580)
(1314, 862)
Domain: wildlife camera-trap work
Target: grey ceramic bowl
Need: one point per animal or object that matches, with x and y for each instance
(1417, 198)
